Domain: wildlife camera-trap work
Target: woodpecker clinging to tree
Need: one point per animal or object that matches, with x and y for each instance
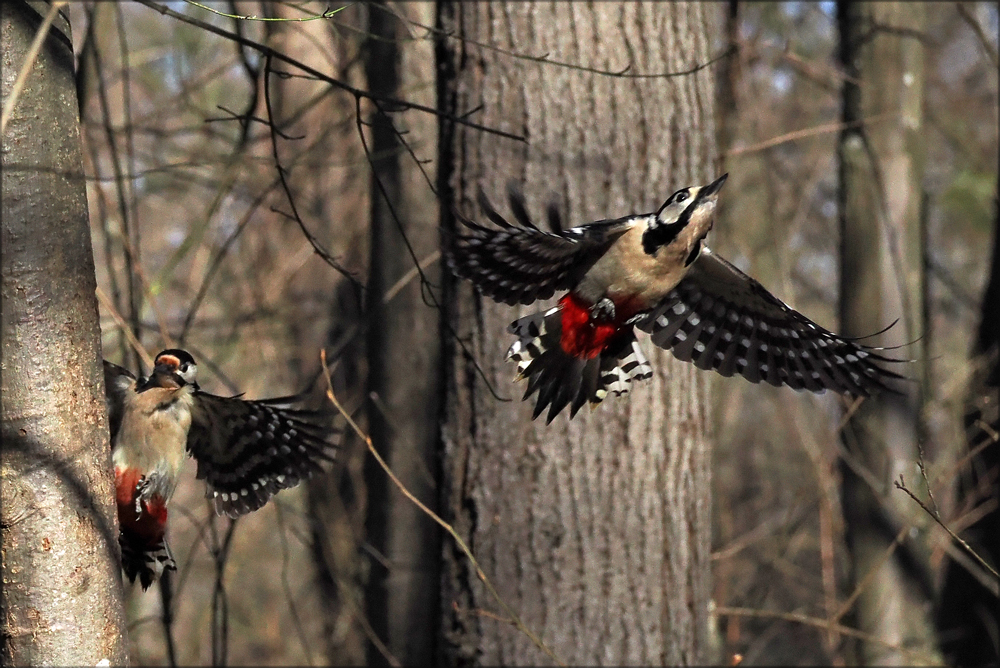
(652, 272)
(246, 451)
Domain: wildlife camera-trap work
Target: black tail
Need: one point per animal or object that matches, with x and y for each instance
(561, 379)
(145, 561)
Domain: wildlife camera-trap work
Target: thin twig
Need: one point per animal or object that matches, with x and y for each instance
(425, 285)
(818, 623)
(327, 14)
(927, 482)
(322, 252)
(126, 330)
(901, 484)
(410, 275)
(809, 132)
(267, 51)
(440, 522)
(872, 572)
(544, 59)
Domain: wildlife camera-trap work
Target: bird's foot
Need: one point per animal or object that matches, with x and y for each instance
(603, 311)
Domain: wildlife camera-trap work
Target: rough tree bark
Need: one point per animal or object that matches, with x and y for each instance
(596, 530)
(62, 590)
(881, 166)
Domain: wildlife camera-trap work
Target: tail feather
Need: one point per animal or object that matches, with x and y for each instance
(147, 562)
(561, 379)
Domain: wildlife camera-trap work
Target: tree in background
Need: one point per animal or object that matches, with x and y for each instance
(403, 345)
(967, 615)
(881, 169)
(596, 530)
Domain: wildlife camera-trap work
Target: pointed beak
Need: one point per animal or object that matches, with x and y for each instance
(162, 376)
(715, 186)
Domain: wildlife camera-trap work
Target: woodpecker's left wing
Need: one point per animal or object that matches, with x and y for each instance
(518, 264)
(721, 319)
(117, 382)
(247, 451)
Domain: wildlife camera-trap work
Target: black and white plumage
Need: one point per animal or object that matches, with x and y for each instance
(246, 451)
(721, 319)
(651, 272)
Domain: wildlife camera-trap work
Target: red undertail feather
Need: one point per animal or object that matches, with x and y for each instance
(142, 535)
(570, 360)
(581, 337)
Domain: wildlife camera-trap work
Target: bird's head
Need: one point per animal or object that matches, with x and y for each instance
(172, 369)
(687, 214)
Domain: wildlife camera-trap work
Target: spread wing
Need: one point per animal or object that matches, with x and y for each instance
(117, 382)
(721, 319)
(247, 451)
(521, 263)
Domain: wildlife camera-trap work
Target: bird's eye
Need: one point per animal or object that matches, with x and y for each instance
(184, 367)
(680, 196)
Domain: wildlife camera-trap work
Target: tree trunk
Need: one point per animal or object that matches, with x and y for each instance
(62, 589)
(881, 167)
(403, 349)
(596, 531)
(967, 616)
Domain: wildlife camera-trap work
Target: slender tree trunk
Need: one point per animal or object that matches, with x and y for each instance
(403, 349)
(967, 616)
(330, 185)
(596, 531)
(881, 166)
(62, 589)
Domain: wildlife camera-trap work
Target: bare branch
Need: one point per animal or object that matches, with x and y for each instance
(357, 92)
(901, 484)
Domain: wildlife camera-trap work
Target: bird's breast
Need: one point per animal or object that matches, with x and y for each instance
(153, 434)
(626, 274)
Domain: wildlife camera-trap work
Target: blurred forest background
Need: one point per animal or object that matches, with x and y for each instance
(200, 242)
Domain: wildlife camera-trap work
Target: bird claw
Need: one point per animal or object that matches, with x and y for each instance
(603, 310)
(140, 489)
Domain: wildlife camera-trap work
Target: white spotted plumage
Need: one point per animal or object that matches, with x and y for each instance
(650, 272)
(246, 451)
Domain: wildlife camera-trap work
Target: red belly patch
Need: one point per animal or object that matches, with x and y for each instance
(148, 526)
(580, 337)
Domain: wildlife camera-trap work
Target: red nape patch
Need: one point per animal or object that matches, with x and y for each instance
(149, 525)
(168, 360)
(581, 337)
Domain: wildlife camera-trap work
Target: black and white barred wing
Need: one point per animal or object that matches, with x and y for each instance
(247, 451)
(518, 264)
(721, 319)
(118, 381)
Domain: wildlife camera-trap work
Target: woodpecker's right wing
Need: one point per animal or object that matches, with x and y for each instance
(721, 319)
(521, 263)
(118, 381)
(247, 451)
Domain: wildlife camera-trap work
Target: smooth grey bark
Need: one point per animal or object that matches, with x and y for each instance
(596, 531)
(62, 588)
(403, 348)
(881, 166)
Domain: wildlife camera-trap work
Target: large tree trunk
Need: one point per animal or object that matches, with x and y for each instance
(62, 590)
(881, 168)
(596, 531)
